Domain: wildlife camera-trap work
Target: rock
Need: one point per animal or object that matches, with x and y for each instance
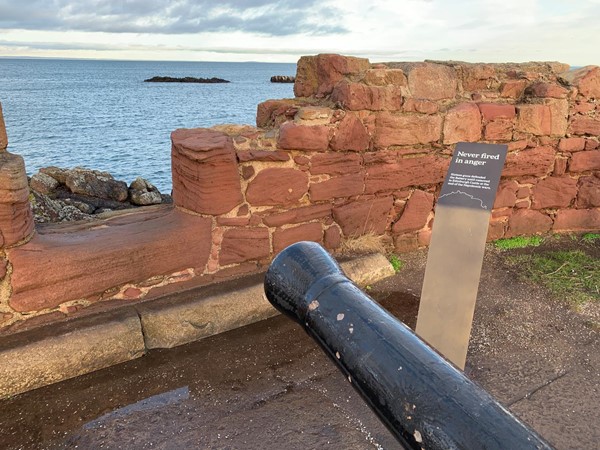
(575, 144)
(335, 163)
(577, 220)
(244, 244)
(307, 232)
(317, 75)
(283, 79)
(205, 171)
(528, 222)
(3, 135)
(16, 218)
(585, 125)
(159, 79)
(166, 198)
(338, 187)
(547, 90)
(513, 89)
(332, 238)
(364, 216)
(463, 123)
(586, 79)
(507, 194)
(85, 208)
(554, 192)
(477, 77)
(406, 129)
(585, 161)
(491, 111)
(298, 215)
(95, 183)
(499, 130)
(385, 77)
(589, 192)
(358, 96)
(263, 155)
(351, 135)
(47, 210)
(142, 192)
(430, 81)
(535, 162)
(43, 184)
(268, 112)
(55, 268)
(420, 106)
(274, 186)
(415, 214)
(66, 196)
(534, 119)
(303, 137)
(57, 173)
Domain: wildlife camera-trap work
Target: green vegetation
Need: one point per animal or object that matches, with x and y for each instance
(396, 263)
(590, 237)
(518, 242)
(572, 275)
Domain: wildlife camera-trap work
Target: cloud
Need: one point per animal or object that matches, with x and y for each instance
(263, 17)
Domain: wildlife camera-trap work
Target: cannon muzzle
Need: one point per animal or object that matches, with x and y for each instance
(425, 401)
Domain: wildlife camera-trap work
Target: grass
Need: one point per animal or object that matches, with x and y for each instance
(572, 275)
(590, 237)
(518, 242)
(367, 243)
(396, 263)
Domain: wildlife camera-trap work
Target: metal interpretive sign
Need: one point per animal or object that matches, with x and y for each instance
(456, 250)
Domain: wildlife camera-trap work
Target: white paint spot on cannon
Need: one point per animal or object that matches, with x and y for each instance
(418, 436)
(340, 316)
(313, 305)
(337, 355)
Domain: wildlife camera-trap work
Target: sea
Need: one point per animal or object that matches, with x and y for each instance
(102, 115)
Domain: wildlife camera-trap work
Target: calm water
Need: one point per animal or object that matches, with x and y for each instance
(101, 115)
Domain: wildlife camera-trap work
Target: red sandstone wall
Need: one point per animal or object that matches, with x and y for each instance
(361, 149)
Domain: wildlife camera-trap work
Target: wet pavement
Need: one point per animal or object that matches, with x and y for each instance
(268, 386)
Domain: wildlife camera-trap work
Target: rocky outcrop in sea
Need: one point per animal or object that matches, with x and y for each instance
(185, 80)
(60, 195)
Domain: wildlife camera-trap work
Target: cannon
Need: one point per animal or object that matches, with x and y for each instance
(424, 400)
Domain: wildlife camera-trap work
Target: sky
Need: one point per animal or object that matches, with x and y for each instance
(282, 31)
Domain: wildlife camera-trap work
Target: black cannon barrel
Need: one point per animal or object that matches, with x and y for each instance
(423, 399)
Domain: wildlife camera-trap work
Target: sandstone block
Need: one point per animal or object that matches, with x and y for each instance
(507, 194)
(269, 111)
(244, 244)
(589, 192)
(591, 144)
(404, 172)
(583, 107)
(420, 106)
(205, 172)
(358, 96)
(3, 135)
(319, 114)
(406, 129)
(362, 217)
(430, 81)
(303, 137)
(274, 186)
(477, 76)
(463, 123)
(385, 77)
(263, 155)
(317, 75)
(56, 267)
(491, 111)
(571, 144)
(554, 192)
(586, 79)
(513, 89)
(335, 163)
(560, 166)
(577, 220)
(534, 119)
(496, 230)
(406, 243)
(582, 125)
(306, 232)
(16, 218)
(415, 214)
(298, 215)
(499, 130)
(547, 90)
(527, 222)
(338, 187)
(350, 135)
(585, 161)
(559, 114)
(37, 358)
(535, 162)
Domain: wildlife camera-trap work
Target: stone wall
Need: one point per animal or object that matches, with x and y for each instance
(361, 150)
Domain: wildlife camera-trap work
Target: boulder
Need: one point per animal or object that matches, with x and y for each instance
(48, 210)
(95, 183)
(43, 184)
(142, 193)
